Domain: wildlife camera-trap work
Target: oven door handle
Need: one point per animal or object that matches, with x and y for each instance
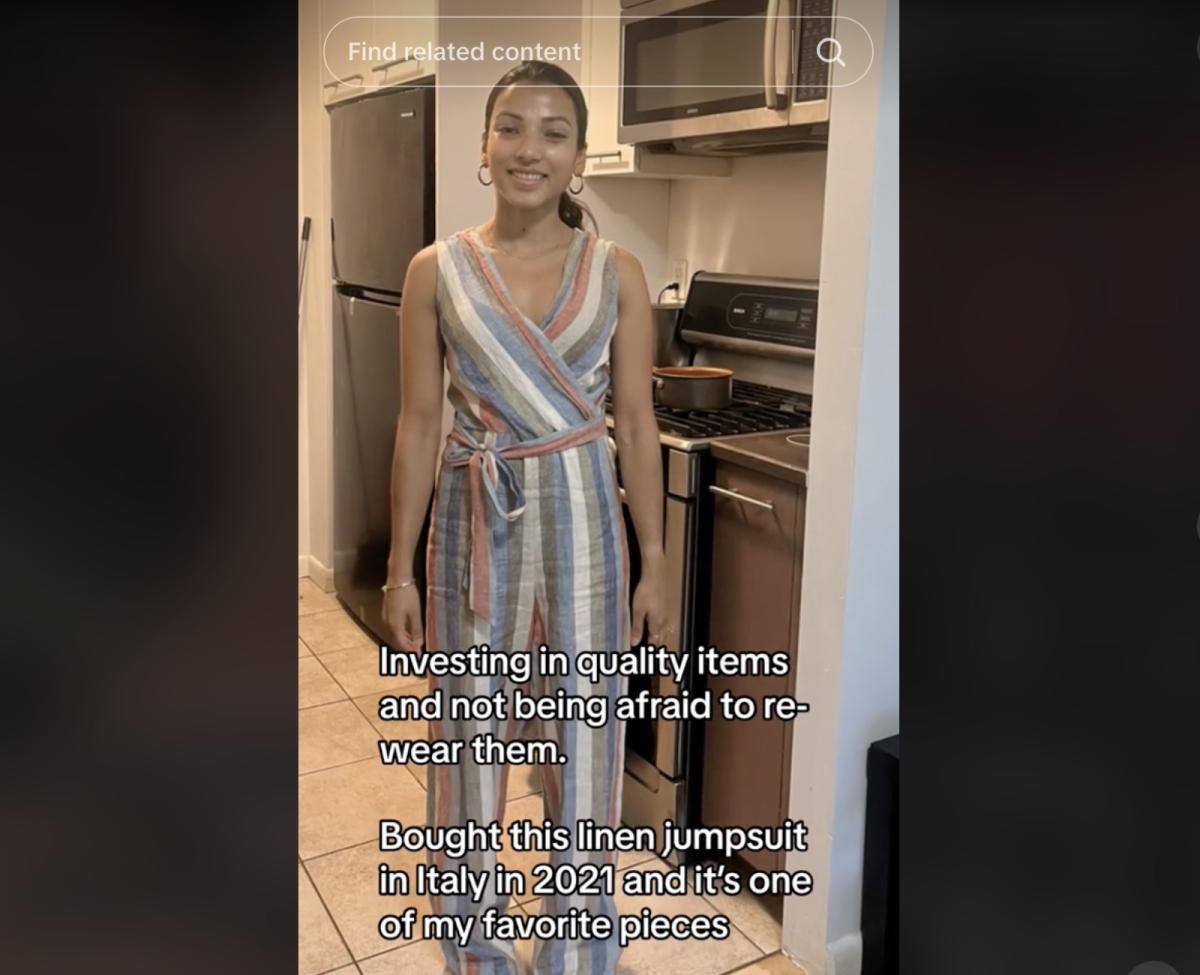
(738, 496)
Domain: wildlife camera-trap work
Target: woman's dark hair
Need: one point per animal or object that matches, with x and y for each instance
(543, 74)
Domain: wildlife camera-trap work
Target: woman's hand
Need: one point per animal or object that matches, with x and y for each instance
(649, 605)
(402, 614)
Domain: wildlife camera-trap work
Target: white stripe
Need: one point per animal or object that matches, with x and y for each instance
(579, 590)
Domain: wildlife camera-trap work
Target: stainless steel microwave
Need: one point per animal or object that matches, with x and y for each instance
(724, 77)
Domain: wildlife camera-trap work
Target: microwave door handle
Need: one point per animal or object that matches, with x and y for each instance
(772, 96)
(770, 92)
(791, 75)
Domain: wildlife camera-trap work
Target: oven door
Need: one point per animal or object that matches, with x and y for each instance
(662, 757)
(657, 747)
(693, 68)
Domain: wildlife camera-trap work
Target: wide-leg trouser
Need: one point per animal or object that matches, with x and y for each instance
(560, 578)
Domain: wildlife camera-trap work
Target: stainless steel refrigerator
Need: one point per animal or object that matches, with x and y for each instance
(381, 169)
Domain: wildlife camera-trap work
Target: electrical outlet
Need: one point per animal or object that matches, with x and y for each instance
(679, 274)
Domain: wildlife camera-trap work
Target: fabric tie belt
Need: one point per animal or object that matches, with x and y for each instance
(487, 467)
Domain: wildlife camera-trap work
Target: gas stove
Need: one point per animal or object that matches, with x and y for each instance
(764, 329)
(756, 408)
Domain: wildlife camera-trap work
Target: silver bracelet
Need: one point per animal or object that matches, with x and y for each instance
(387, 588)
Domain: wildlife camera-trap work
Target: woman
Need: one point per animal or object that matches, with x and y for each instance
(534, 317)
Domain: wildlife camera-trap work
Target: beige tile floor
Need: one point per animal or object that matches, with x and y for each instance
(344, 791)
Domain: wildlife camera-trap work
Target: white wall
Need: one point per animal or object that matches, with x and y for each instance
(302, 532)
(848, 626)
(765, 218)
(870, 657)
(316, 344)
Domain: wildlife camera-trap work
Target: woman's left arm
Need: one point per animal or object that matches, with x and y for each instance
(635, 430)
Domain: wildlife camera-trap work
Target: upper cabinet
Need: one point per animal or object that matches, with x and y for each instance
(364, 41)
(600, 79)
(340, 75)
(404, 23)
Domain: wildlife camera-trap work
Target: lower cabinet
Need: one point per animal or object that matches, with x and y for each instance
(758, 535)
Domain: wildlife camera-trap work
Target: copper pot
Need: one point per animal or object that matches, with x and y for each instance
(693, 387)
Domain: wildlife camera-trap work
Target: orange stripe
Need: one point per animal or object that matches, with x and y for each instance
(573, 437)
(574, 302)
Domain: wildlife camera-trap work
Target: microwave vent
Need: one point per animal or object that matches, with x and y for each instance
(751, 142)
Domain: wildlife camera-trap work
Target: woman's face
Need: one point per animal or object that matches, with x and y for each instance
(533, 130)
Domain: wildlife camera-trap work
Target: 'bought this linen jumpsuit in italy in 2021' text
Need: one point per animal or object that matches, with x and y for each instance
(527, 545)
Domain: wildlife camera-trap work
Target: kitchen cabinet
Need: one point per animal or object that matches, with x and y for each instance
(758, 539)
(342, 77)
(599, 78)
(402, 22)
(377, 24)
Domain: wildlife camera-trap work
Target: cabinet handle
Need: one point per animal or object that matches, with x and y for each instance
(737, 496)
(342, 81)
(389, 64)
(604, 155)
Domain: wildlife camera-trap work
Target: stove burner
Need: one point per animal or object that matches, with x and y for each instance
(755, 409)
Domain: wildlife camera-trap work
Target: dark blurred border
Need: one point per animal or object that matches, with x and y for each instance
(1050, 598)
(151, 237)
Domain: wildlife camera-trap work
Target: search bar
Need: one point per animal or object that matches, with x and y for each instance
(832, 53)
(835, 52)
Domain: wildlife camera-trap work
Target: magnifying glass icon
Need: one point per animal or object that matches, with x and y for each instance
(834, 52)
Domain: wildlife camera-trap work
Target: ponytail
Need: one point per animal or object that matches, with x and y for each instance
(571, 212)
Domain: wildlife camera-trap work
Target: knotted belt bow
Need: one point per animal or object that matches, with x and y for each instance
(487, 467)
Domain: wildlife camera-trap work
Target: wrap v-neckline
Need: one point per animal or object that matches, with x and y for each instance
(564, 284)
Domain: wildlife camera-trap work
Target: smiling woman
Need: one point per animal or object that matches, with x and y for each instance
(535, 131)
(535, 319)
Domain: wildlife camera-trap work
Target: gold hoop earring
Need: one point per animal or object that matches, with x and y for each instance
(479, 175)
(580, 190)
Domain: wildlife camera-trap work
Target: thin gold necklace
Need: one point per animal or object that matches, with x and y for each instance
(521, 257)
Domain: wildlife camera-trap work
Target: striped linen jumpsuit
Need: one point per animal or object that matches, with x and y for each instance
(527, 545)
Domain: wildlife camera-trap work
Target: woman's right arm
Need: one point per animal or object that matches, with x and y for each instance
(418, 437)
